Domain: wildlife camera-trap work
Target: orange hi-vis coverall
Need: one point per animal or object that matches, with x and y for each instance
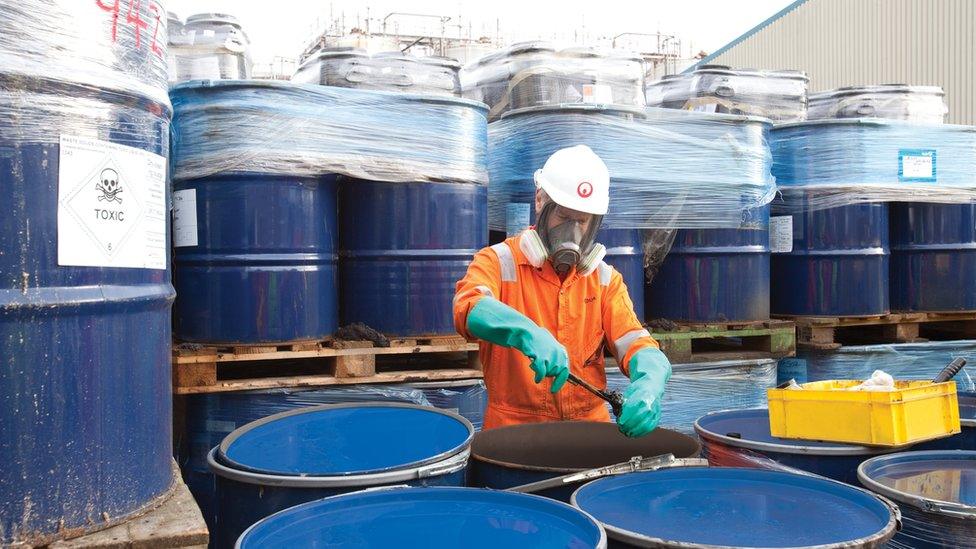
(584, 313)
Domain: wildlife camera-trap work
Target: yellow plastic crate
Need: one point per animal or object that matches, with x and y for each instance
(915, 411)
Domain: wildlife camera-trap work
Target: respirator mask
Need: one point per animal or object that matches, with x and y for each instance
(569, 243)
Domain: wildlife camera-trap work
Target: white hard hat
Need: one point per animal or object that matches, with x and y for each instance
(576, 178)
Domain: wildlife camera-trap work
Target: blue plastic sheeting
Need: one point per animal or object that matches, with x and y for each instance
(936, 492)
(697, 389)
(428, 517)
(905, 361)
(668, 168)
(465, 398)
(346, 439)
(861, 160)
(735, 508)
(265, 127)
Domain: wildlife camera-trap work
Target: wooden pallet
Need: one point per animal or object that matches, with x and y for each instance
(831, 332)
(208, 369)
(700, 342)
(177, 522)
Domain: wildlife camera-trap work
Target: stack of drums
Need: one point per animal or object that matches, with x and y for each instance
(404, 245)
(933, 246)
(936, 492)
(85, 403)
(302, 455)
(260, 230)
(718, 275)
(700, 507)
(835, 260)
(255, 252)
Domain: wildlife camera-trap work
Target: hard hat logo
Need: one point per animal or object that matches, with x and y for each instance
(585, 189)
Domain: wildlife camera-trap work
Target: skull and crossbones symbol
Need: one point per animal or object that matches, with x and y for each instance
(108, 183)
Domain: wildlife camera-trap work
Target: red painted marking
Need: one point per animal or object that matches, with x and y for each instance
(135, 19)
(114, 10)
(585, 189)
(159, 23)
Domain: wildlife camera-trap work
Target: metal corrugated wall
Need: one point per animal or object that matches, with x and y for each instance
(854, 42)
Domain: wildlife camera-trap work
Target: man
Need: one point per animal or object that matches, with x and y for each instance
(543, 303)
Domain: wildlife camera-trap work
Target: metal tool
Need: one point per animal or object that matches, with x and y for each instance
(636, 463)
(950, 371)
(615, 399)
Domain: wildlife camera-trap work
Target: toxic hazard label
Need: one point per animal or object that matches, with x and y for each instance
(111, 205)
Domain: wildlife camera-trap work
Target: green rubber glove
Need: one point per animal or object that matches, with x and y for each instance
(649, 372)
(495, 322)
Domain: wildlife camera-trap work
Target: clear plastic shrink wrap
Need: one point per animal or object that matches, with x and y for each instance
(354, 68)
(669, 169)
(779, 95)
(925, 104)
(904, 361)
(532, 74)
(83, 67)
(304, 129)
(210, 46)
(697, 389)
(829, 163)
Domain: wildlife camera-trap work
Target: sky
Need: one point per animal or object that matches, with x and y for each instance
(284, 27)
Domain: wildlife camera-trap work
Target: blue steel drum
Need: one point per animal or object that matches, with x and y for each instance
(936, 492)
(626, 255)
(262, 267)
(520, 454)
(303, 455)
(85, 403)
(740, 438)
(839, 262)
(203, 420)
(437, 518)
(966, 440)
(403, 247)
(933, 256)
(838, 265)
(704, 507)
(715, 275)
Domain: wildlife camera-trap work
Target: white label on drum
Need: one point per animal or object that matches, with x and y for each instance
(185, 218)
(781, 234)
(111, 205)
(600, 94)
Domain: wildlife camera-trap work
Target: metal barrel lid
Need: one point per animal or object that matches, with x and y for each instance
(346, 440)
(731, 507)
(428, 517)
(749, 429)
(937, 481)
